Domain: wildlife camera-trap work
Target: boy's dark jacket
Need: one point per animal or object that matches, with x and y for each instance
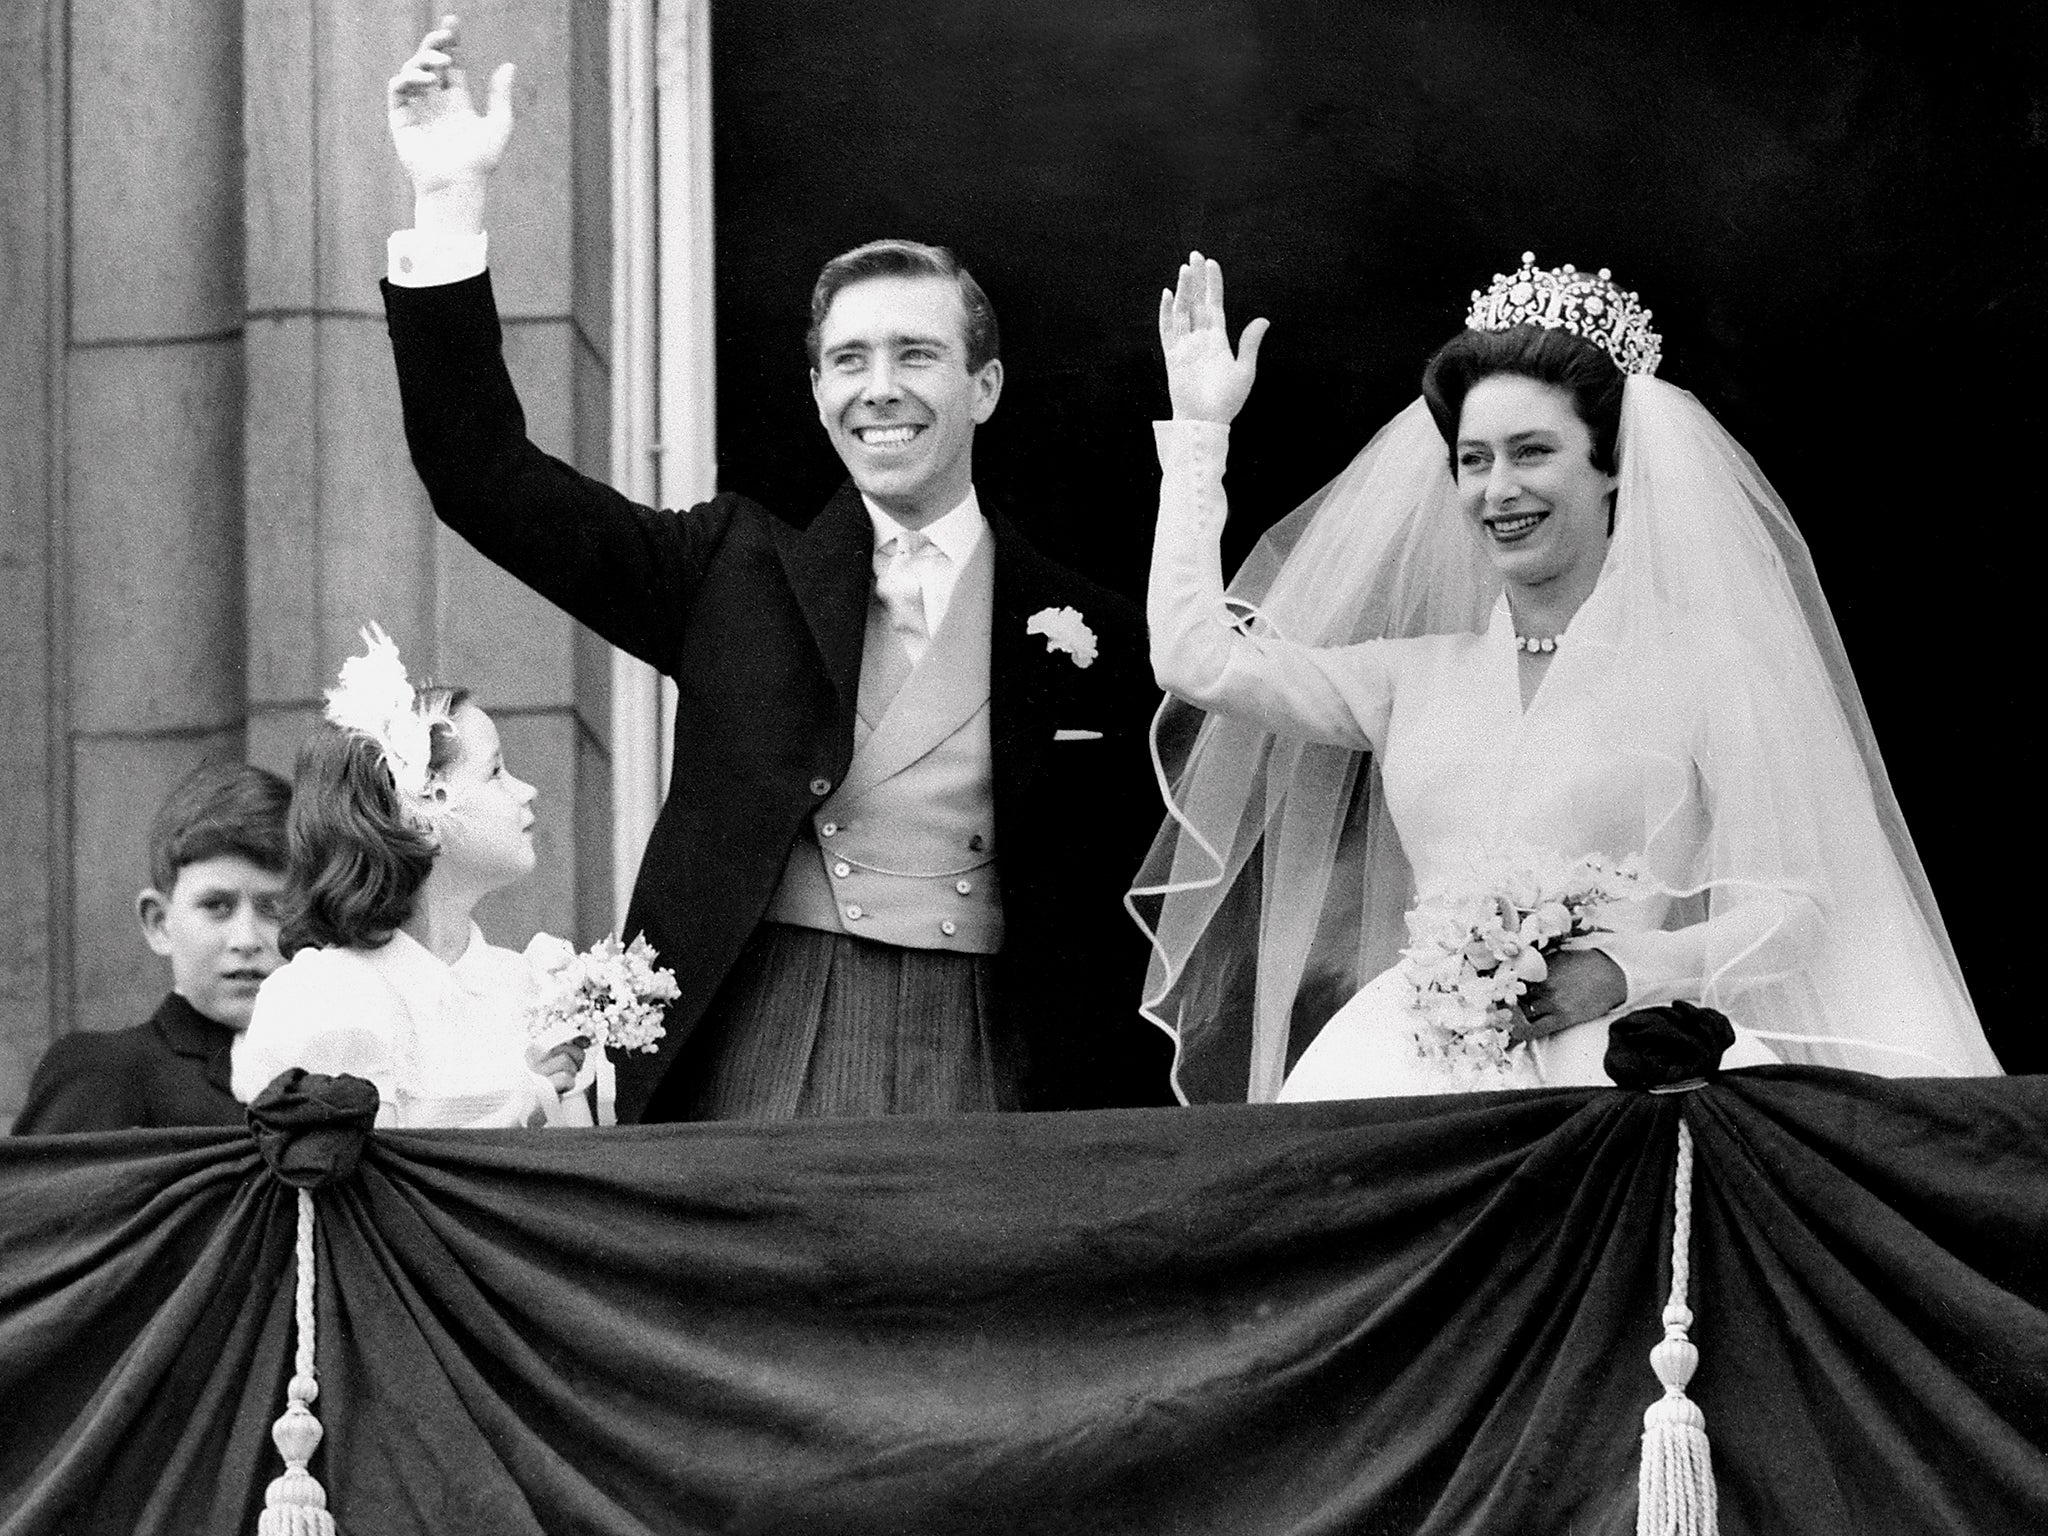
(171, 1070)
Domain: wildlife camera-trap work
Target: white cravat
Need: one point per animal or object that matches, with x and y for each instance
(899, 587)
(955, 537)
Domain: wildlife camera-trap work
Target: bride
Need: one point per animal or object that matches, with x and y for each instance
(1552, 609)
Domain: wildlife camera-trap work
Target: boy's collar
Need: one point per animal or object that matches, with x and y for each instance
(190, 1032)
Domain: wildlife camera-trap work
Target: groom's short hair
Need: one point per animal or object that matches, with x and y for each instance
(907, 258)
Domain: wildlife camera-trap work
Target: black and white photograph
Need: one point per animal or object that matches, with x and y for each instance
(1179, 766)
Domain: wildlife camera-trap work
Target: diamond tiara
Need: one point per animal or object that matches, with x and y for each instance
(1564, 298)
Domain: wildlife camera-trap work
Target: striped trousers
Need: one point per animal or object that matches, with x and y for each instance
(810, 1023)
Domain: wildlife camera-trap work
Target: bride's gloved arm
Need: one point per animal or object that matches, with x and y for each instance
(1336, 696)
(1340, 697)
(1755, 934)
(1757, 852)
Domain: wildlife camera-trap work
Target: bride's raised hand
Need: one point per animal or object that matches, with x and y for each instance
(1205, 380)
(443, 142)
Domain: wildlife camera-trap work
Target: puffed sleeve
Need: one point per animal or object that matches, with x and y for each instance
(1339, 695)
(1758, 858)
(325, 1011)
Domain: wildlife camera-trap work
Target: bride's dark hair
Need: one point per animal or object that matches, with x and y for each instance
(354, 863)
(1548, 356)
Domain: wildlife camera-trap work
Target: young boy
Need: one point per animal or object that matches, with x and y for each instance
(216, 862)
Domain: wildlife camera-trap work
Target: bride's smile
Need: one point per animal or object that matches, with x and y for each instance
(1511, 527)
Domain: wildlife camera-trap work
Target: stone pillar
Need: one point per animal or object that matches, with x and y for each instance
(339, 531)
(153, 383)
(32, 832)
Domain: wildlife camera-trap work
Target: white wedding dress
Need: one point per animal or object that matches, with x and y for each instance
(1591, 766)
(1470, 776)
(446, 1045)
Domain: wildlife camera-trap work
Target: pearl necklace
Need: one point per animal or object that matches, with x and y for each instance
(1535, 646)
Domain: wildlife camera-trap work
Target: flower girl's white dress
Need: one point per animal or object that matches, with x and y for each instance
(446, 1045)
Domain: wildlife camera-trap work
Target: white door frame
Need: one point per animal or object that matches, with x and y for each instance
(664, 348)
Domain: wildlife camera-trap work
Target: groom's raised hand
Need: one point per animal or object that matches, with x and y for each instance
(447, 147)
(1204, 379)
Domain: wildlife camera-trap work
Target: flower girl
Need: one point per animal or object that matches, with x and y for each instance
(403, 817)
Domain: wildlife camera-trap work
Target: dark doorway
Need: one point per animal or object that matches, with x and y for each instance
(1837, 220)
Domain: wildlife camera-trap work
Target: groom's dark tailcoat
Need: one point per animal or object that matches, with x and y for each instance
(761, 625)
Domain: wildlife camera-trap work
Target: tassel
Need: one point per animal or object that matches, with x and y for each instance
(295, 1504)
(1675, 1491)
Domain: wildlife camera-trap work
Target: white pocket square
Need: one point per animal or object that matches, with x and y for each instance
(1077, 735)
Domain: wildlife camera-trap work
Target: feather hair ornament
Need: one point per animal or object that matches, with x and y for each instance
(374, 698)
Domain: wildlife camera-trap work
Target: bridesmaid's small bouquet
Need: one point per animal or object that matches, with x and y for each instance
(1474, 953)
(610, 995)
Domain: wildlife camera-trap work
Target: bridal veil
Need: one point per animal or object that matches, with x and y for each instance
(1277, 885)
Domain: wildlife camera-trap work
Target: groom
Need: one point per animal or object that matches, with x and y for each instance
(910, 780)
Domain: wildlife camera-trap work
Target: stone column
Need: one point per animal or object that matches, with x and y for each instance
(339, 531)
(152, 367)
(32, 832)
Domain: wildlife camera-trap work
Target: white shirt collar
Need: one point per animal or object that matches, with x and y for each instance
(408, 957)
(957, 534)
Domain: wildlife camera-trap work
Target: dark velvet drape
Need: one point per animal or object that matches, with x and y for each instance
(1406, 1316)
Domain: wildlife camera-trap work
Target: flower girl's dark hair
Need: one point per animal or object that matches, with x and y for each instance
(355, 863)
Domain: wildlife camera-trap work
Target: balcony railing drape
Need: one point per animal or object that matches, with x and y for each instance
(1402, 1316)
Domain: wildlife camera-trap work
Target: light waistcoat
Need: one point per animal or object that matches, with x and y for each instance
(904, 851)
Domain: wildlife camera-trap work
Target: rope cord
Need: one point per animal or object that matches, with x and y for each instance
(1675, 1489)
(295, 1504)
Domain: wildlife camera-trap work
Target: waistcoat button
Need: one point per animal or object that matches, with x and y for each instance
(853, 911)
(842, 869)
(949, 927)
(964, 886)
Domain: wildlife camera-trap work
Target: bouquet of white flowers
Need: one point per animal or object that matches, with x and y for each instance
(610, 995)
(1474, 953)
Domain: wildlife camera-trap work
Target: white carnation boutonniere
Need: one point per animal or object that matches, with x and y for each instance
(1064, 630)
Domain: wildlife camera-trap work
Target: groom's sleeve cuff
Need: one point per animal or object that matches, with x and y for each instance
(416, 260)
